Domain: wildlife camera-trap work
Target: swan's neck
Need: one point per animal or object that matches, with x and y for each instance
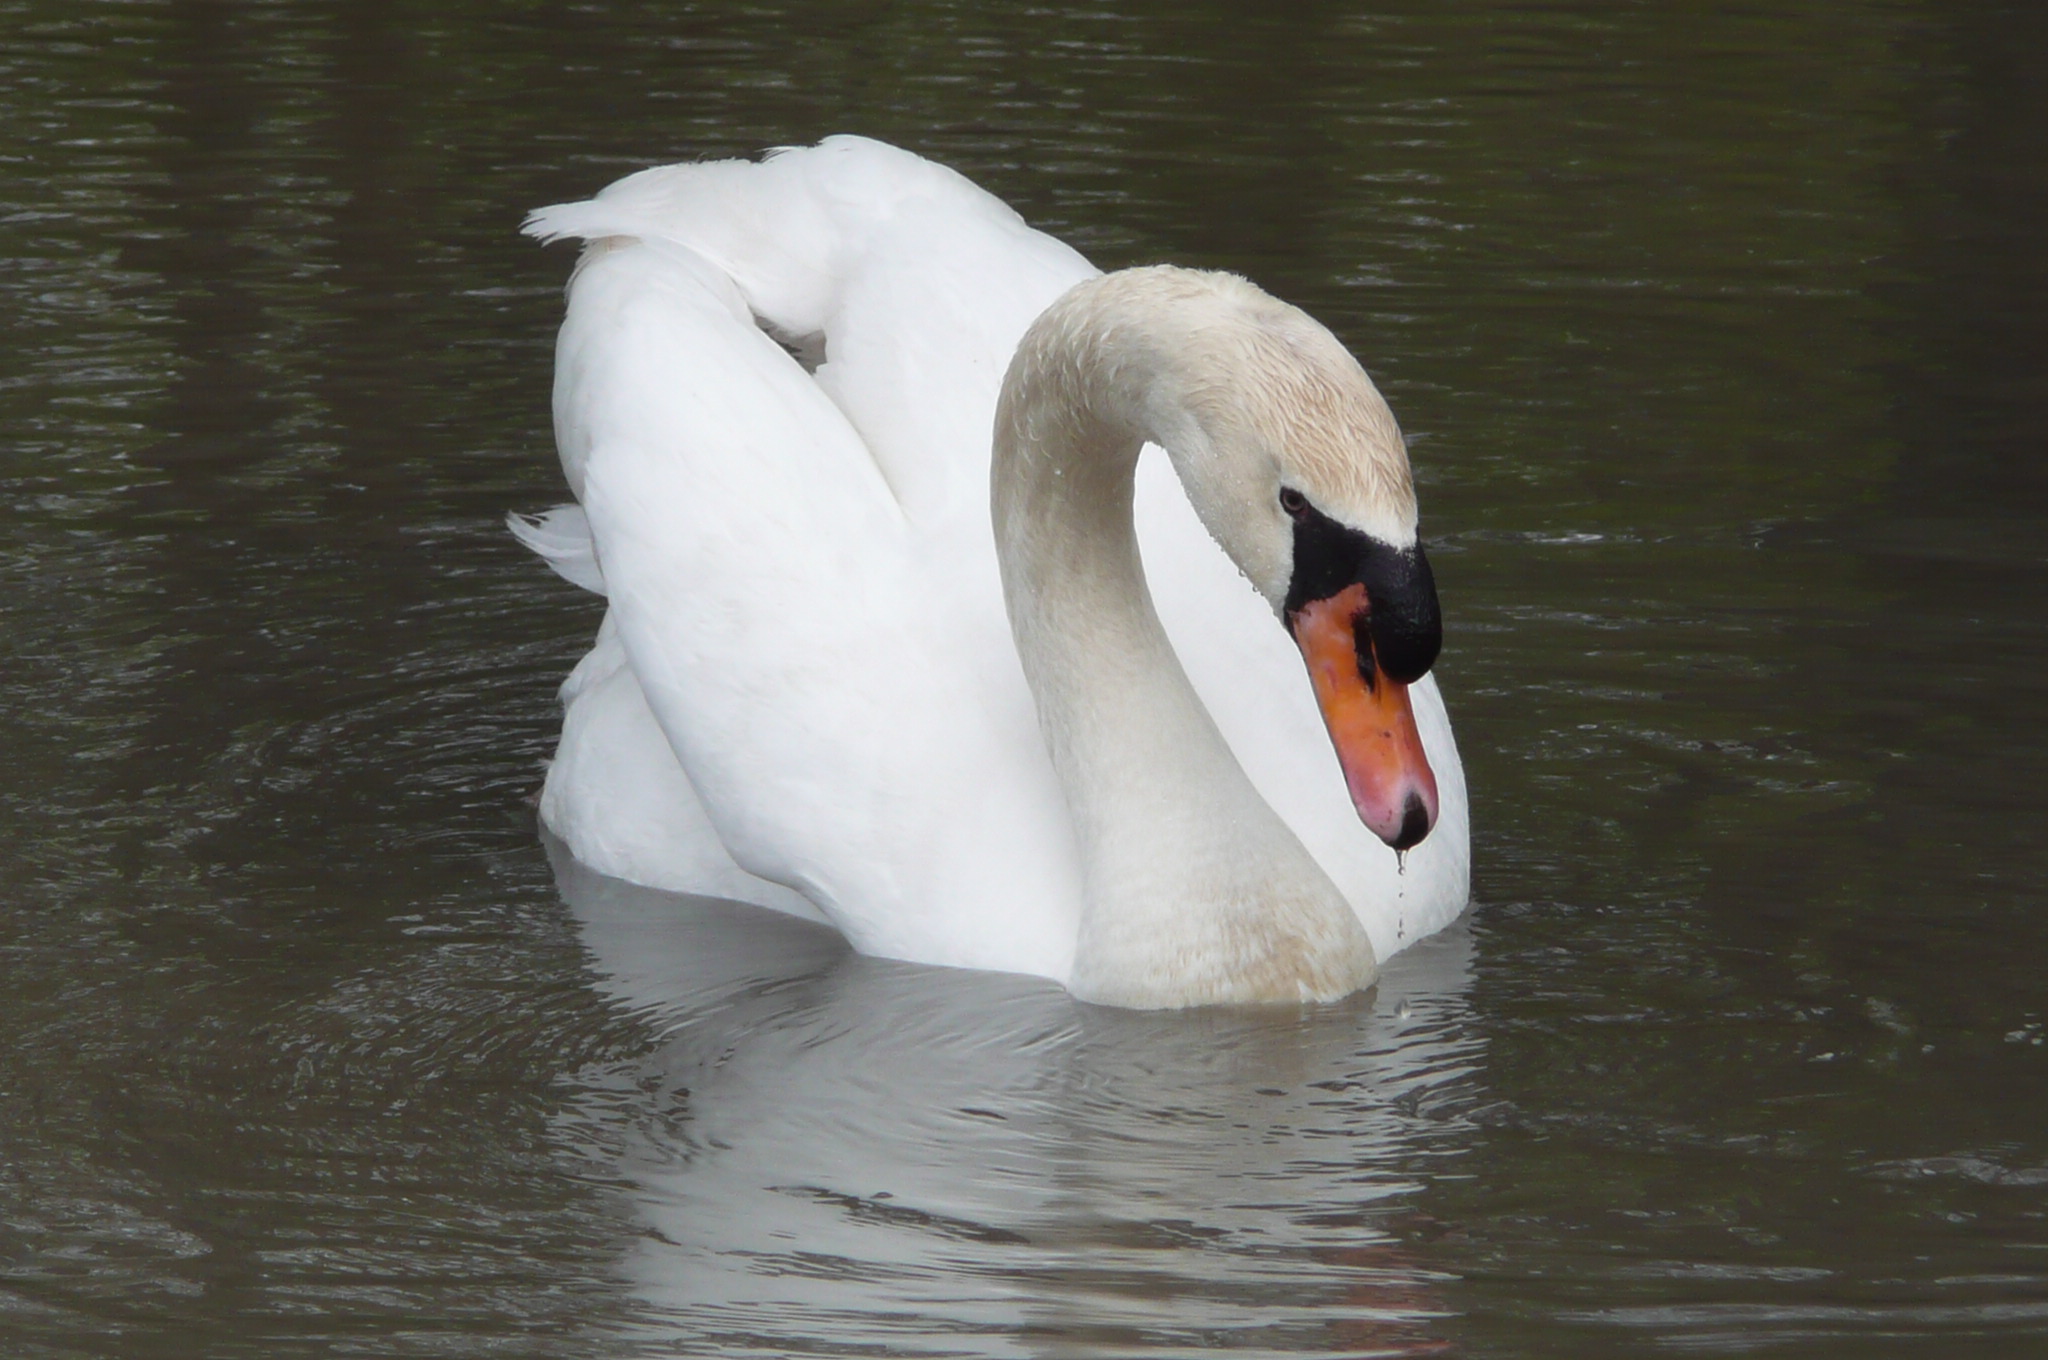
(1197, 892)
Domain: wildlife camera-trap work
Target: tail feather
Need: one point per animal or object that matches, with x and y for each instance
(561, 537)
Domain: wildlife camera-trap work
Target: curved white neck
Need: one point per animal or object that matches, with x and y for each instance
(1197, 891)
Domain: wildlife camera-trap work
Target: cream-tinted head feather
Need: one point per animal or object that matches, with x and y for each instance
(1262, 374)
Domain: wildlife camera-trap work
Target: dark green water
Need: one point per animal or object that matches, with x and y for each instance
(1721, 334)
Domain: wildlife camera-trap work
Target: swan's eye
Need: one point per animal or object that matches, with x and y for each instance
(1293, 502)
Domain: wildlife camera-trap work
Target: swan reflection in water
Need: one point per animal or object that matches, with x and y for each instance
(831, 1153)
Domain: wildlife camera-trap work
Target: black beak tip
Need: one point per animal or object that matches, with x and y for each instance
(1414, 824)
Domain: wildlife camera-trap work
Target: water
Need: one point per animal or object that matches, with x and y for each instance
(1719, 338)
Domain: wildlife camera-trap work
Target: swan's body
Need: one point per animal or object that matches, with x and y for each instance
(806, 692)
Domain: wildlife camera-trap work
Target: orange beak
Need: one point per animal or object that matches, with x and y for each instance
(1369, 719)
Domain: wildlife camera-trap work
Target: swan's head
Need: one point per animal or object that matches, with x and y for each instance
(1295, 462)
(1289, 455)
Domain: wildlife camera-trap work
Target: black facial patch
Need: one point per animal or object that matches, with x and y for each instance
(1404, 624)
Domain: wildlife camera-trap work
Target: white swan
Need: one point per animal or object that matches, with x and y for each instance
(774, 392)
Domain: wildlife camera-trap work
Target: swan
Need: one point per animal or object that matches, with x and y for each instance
(912, 628)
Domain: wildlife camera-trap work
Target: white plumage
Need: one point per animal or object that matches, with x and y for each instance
(806, 693)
